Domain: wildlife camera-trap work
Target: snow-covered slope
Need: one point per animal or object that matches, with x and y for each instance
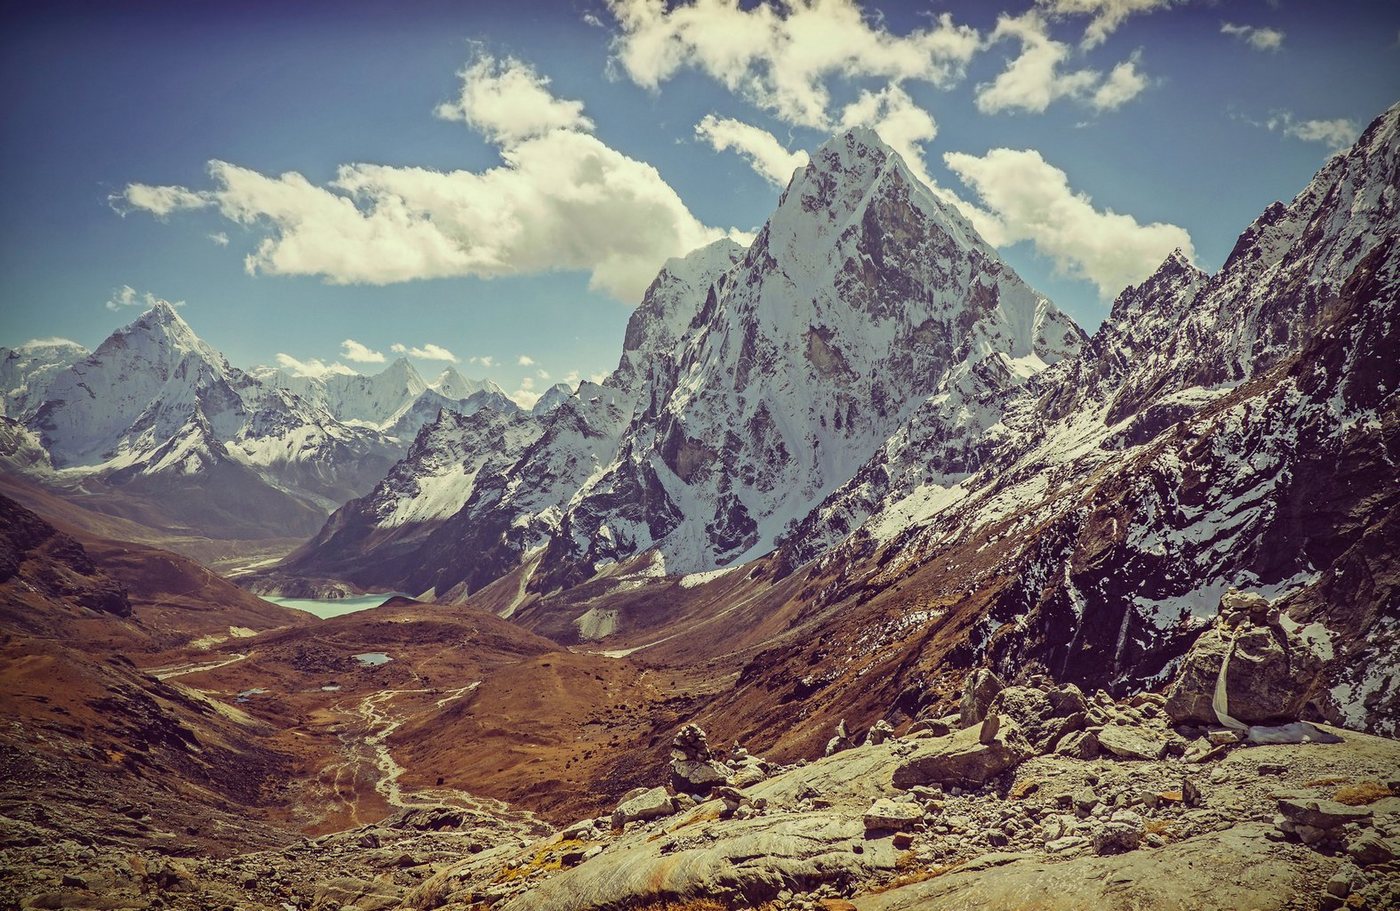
(1236, 429)
(155, 408)
(513, 510)
(396, 400)
(25, 372)
(754, 382)
(863, 301)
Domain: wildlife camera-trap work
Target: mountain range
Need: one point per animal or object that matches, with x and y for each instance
(168, 432)
(861, 435)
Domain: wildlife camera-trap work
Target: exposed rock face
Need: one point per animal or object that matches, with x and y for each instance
(1270, 676)
(1043, 717)
(979, 689)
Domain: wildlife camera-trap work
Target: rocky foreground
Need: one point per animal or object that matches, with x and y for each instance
(1032, 795)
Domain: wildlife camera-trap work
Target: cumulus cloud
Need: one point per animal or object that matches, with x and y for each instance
(352, 350)
(488, 361)
(127, 296)
(1261, 38)
(1106, 15)
(539, 211)
(781, 55)
(760, 148)
(1336, 134)
(1035, 78)
(429, 352)
(1032, 200)
(901, 123)
(314, 368)
(1124, 83)
(507, 101)
(525, 361)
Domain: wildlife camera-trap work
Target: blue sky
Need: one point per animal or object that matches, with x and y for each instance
(1188, 118)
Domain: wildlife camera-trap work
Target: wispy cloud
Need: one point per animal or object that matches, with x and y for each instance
(1038, 76)
(127, 296)
(220, 238)
(314, 368)
(488, 361)
(428, 352)
(352, 350)
(1261, 38)
(1337, 133)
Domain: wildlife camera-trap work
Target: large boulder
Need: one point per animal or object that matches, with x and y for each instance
(1043, 716)
(968, 759)
(650, 804)
(1270, 674)
(979, 689)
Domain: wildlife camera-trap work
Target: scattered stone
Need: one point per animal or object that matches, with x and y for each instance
(1369, 849)
(879, 732)
(1320, 814)
(1122, 832)
(73, 881)
(841, 740)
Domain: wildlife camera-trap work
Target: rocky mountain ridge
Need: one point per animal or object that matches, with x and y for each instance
(156, 413)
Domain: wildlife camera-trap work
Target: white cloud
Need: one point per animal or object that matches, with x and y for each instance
(539, 211)
(159, 201)
(764, 153)
(507, 102)
(1033, 201)
(352, 350)
(1261, 38)
(127, 296)
(429, 352)
(1034, 79)
(314, 367)
(902, 124)
(1124, 83)
(525, 398)
(1336, 134)
(487, 361)
(781, 55)
(220, 238)
(1106, 15)
(525, 360)
(542, 373)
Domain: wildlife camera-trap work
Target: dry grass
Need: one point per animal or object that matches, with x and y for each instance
(692, 904)
(1023, 789)
(1361, 793)
(550, 857)
(1160, 827)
